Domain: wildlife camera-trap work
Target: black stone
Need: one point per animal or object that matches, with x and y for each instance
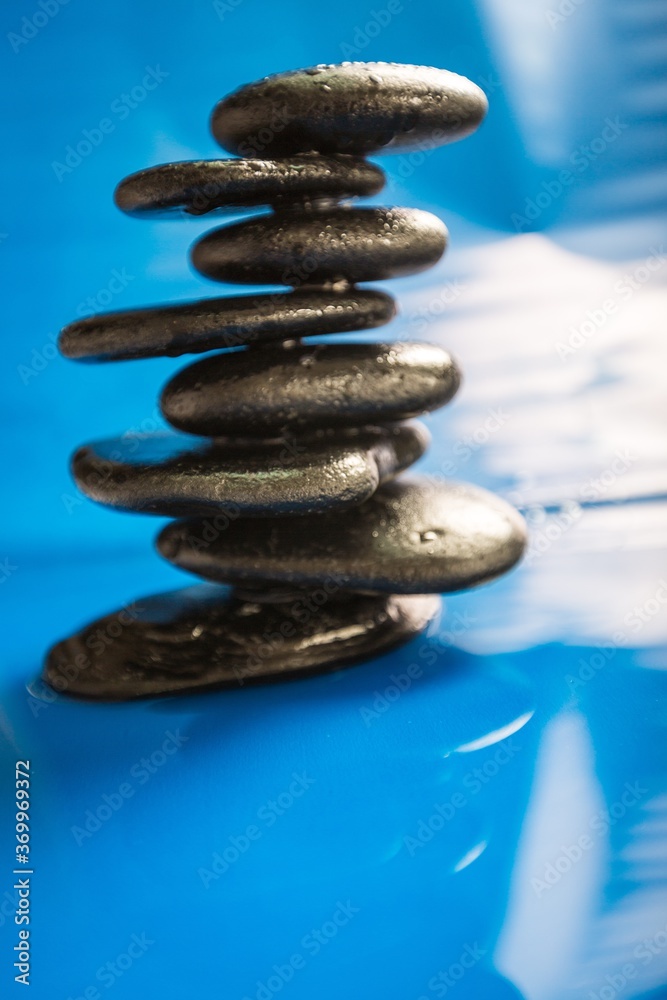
(204, 637)
(239, 321)
(201, 186)
(176, 475)
(357, 108)
(341, 244)
(323, 385)
(409, 538)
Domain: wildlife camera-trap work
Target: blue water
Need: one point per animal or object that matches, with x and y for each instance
(493, 827)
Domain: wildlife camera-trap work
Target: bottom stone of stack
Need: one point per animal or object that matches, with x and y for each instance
(209, 636)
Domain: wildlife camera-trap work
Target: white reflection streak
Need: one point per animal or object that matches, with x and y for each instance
(532, 55)
(543, 934)
(497, 736)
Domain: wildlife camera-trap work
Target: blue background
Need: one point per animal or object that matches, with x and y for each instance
(505, 661)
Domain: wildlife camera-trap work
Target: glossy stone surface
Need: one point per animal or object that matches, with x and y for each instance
(411, 537)
(210, 324)
(201, 186)
(180, 476)
(296, 248)
(205, 637)
(349, 108)
(324, 385)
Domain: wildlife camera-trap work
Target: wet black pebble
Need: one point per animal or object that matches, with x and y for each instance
(237, 321)
(176, 475)
(361, 108)
(200, 186)
(411, 537)
(340, 244)
(326, 385)
(205, 637)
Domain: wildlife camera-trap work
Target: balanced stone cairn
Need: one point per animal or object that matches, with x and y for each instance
(285, 476)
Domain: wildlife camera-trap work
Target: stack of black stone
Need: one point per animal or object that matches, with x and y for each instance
(285, 475)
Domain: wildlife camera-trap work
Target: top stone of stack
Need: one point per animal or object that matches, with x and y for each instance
(357, 108)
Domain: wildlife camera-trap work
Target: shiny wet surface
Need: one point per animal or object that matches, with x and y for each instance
(492, 786)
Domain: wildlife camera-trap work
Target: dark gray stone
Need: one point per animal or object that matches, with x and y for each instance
(201, 186)
(324, 385)
(357, 108)
(341, 244)
(203, 637)
(409, 538)
(239, 321)
(176, 475)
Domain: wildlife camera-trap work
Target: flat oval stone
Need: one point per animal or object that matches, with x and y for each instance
(175, 475)
(325, 385)
(358, 107)
(341, 244)
(199, 186)
(212, 324)
(411, 537)
(204, 637)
